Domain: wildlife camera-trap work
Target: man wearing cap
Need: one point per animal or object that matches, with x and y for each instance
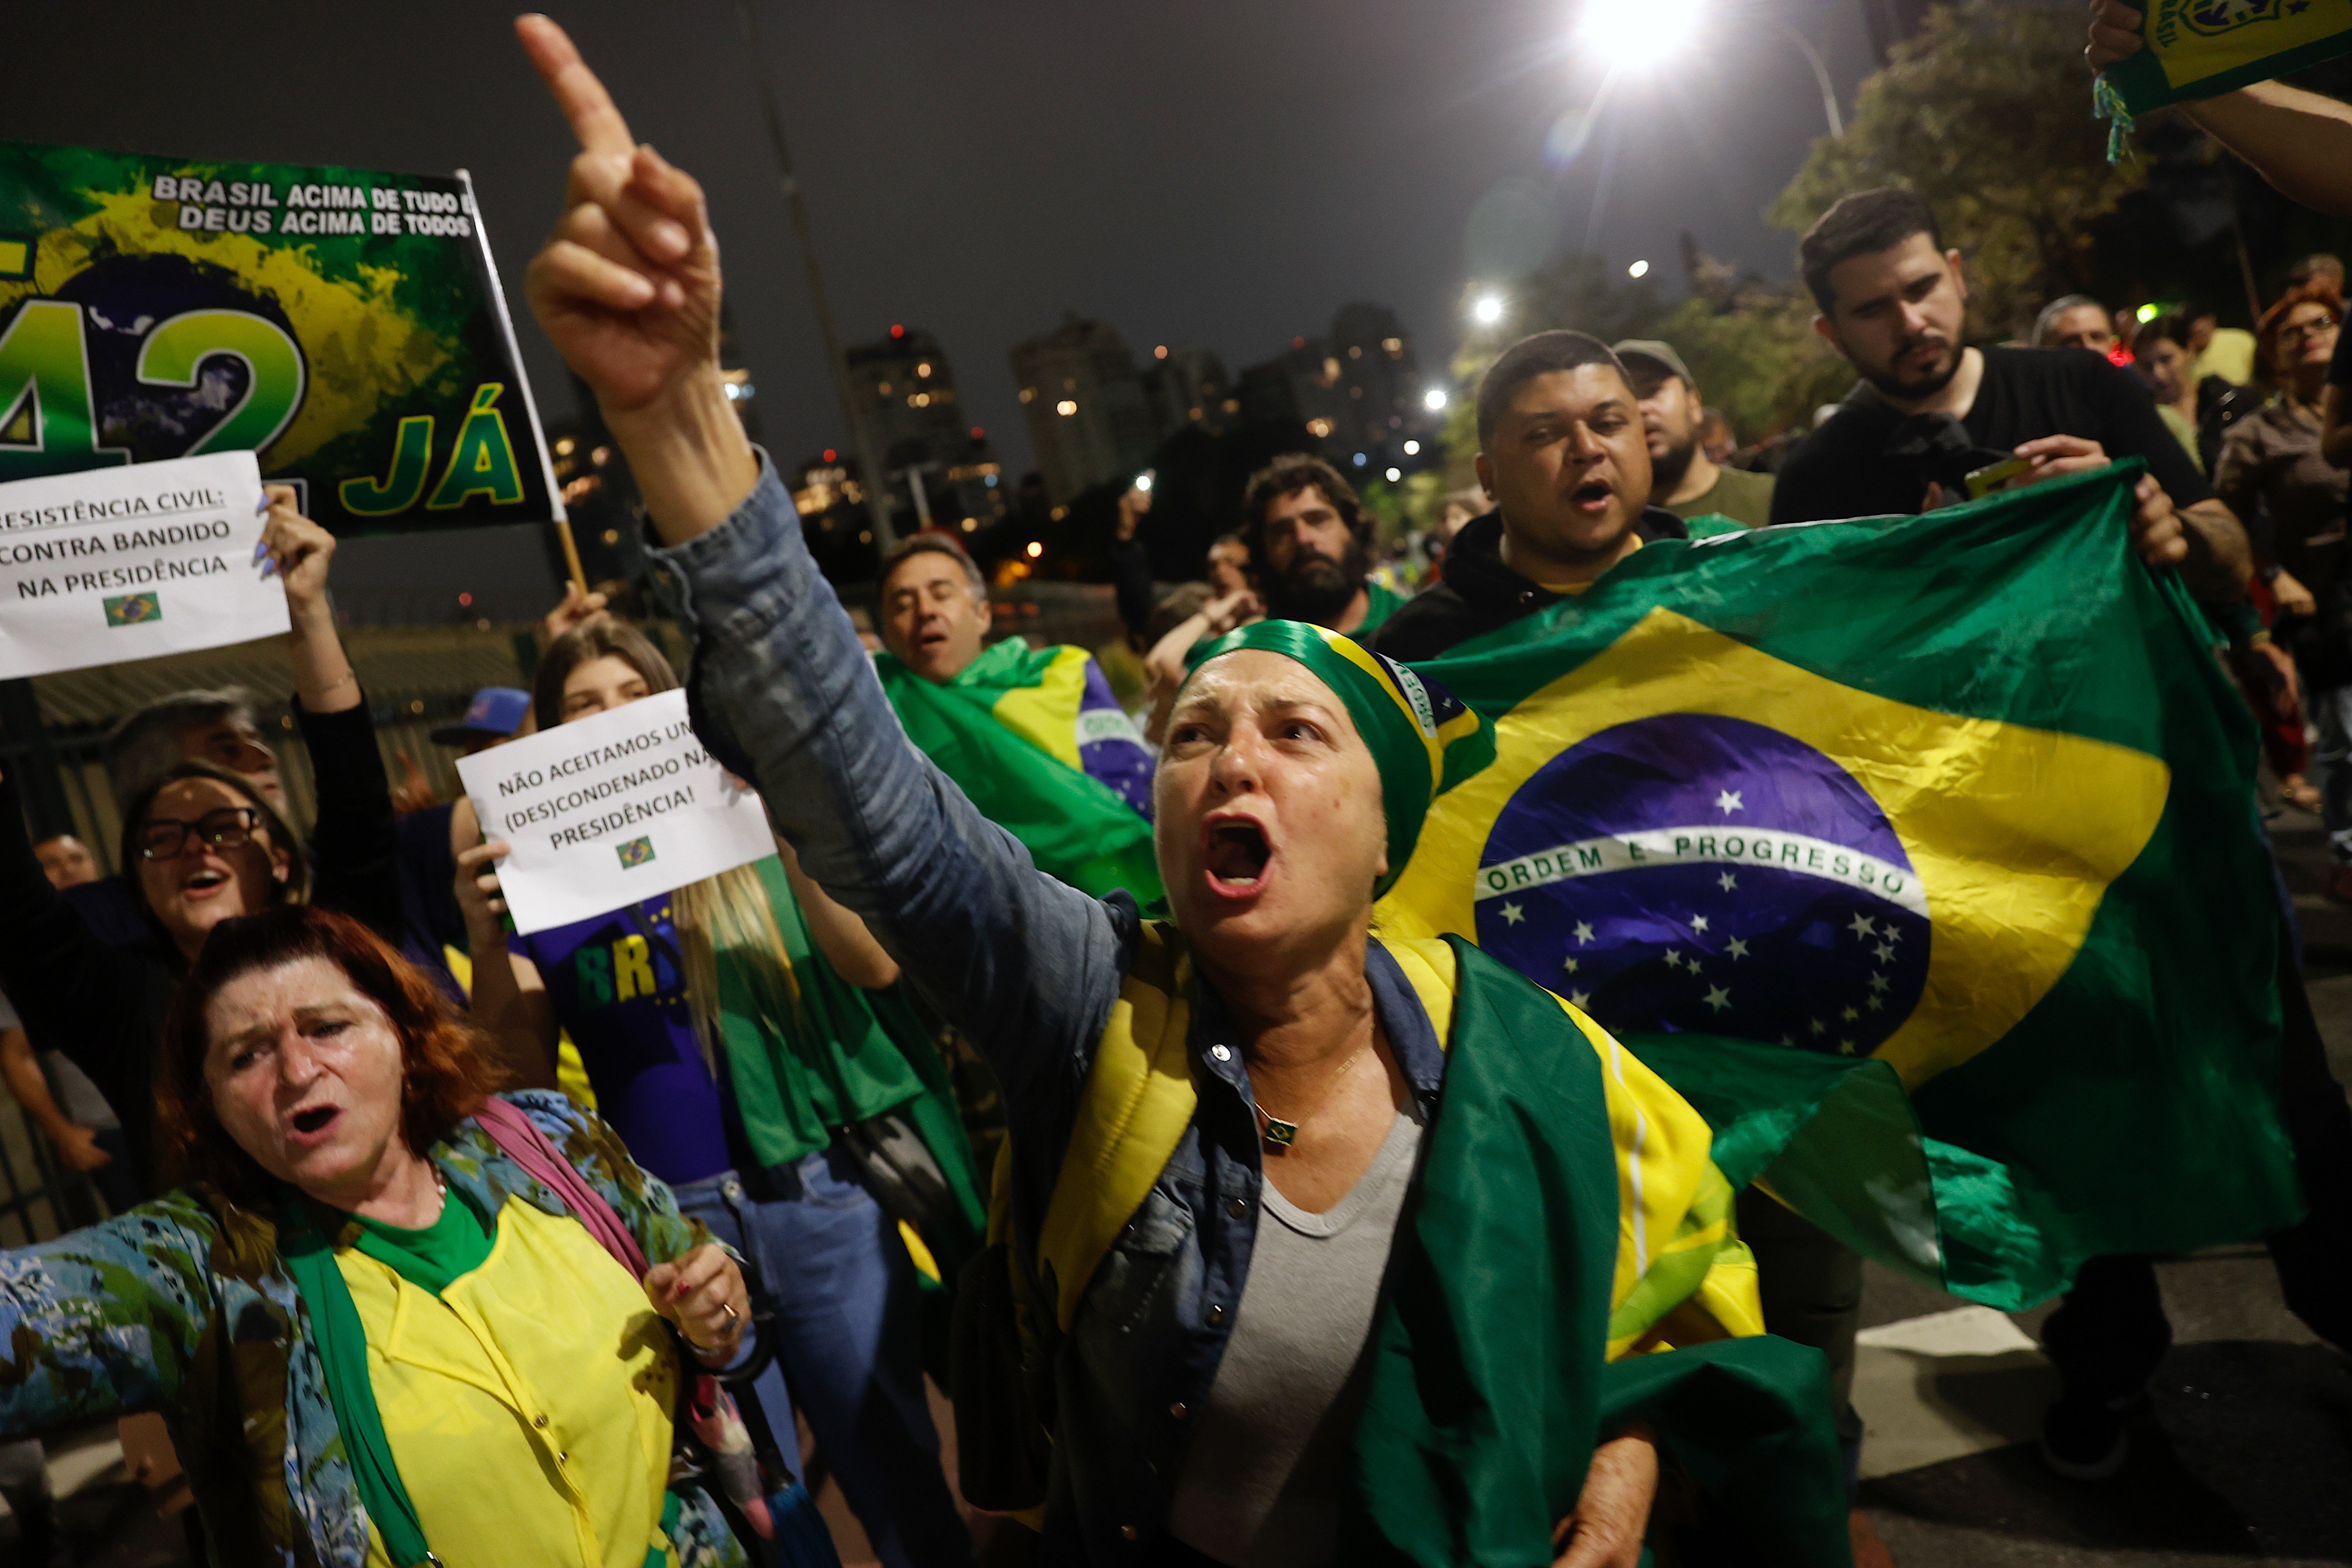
(1683, 478)
(494, 714)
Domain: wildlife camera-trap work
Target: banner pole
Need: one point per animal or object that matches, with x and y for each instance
(571, 551)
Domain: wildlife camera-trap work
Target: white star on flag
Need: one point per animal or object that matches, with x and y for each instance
(1570, 963)
(1698, 922)
(1876, 1003)
(1820, 1027)
(1878, 983)
(1729, 801)
(1674, 959)
(1739, 947)
(1885, 953)
(1851, 1015)
(1845, 1048)
(1726, 881)
(1892, 934)
(1583, 930)
(1578, 998)
(1513, 913)
(1718, 997)
(1863, 925)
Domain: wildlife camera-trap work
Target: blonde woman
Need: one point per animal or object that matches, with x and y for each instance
(733, 1030)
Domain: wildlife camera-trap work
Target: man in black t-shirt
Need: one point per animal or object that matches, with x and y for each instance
(1928, 412)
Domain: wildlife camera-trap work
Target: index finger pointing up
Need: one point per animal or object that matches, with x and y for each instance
(581, 97)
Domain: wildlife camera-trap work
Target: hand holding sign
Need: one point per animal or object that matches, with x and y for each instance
(142, 559)
(599, 813)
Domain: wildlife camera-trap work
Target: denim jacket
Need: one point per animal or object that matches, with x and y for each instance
(182, 1305)
(1028, 967)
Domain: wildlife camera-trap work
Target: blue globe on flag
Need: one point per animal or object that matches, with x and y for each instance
(1693, 872)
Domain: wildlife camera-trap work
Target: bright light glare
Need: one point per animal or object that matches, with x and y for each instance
(2148, 313)
(1639, 270)
(1488, 310)
(1143, 481)
(1636, 38)
(1433, 399)
(1412, 449)
(1395, 475)
(1036, 550)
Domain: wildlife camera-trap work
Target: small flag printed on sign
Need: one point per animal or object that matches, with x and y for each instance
(133, 609)
(636, 852)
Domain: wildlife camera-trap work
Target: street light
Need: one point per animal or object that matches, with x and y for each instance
(1488, 310)
(1639, 270)
(1433, 399)
(1636, 38)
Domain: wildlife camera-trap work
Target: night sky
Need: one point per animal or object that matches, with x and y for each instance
(1217, 174)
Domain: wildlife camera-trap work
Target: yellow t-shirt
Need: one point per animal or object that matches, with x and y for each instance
(528, 1406)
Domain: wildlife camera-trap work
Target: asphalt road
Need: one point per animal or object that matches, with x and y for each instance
(2244, 1454)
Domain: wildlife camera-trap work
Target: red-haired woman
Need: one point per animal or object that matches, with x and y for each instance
(375, 1328)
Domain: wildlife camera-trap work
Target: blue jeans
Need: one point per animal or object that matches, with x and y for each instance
(829, 1264)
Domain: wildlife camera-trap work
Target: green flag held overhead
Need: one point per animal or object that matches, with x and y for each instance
(1015, 730)
(1920, 854)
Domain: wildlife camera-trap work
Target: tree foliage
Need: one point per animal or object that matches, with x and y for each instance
(1987, 115)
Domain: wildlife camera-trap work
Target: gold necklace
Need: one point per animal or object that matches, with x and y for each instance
(1283, 1134)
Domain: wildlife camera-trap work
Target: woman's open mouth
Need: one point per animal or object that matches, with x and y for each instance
(312, 1125)
(1236, 853)
(205, 883)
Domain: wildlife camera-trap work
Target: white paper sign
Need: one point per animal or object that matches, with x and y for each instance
(609, 809)
(118, 563)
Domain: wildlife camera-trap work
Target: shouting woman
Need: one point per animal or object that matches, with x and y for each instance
(1317, 1248)
(380, 1331)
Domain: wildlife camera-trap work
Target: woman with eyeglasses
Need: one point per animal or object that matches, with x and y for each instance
(202, 844)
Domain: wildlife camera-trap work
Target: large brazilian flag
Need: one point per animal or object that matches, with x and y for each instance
(1035, 738)
(1920, 854)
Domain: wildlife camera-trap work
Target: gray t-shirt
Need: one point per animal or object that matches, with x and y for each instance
(1262, 1483)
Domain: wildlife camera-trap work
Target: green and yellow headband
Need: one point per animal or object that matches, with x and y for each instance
(1423, 740)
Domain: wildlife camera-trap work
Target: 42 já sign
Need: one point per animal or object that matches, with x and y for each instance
(344, 325)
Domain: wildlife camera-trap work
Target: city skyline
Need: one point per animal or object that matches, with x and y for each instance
(1222, 176)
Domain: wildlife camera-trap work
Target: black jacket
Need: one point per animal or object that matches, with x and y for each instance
(1479, 594)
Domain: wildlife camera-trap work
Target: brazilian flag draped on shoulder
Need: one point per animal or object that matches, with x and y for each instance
(1009, 731)
(1920, 855)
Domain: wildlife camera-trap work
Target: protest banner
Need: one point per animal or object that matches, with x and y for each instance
(344, 325)
(121, 563)
(2202, 49)
(609, 809)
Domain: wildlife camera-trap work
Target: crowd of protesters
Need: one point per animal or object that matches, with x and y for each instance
(431, 1241)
